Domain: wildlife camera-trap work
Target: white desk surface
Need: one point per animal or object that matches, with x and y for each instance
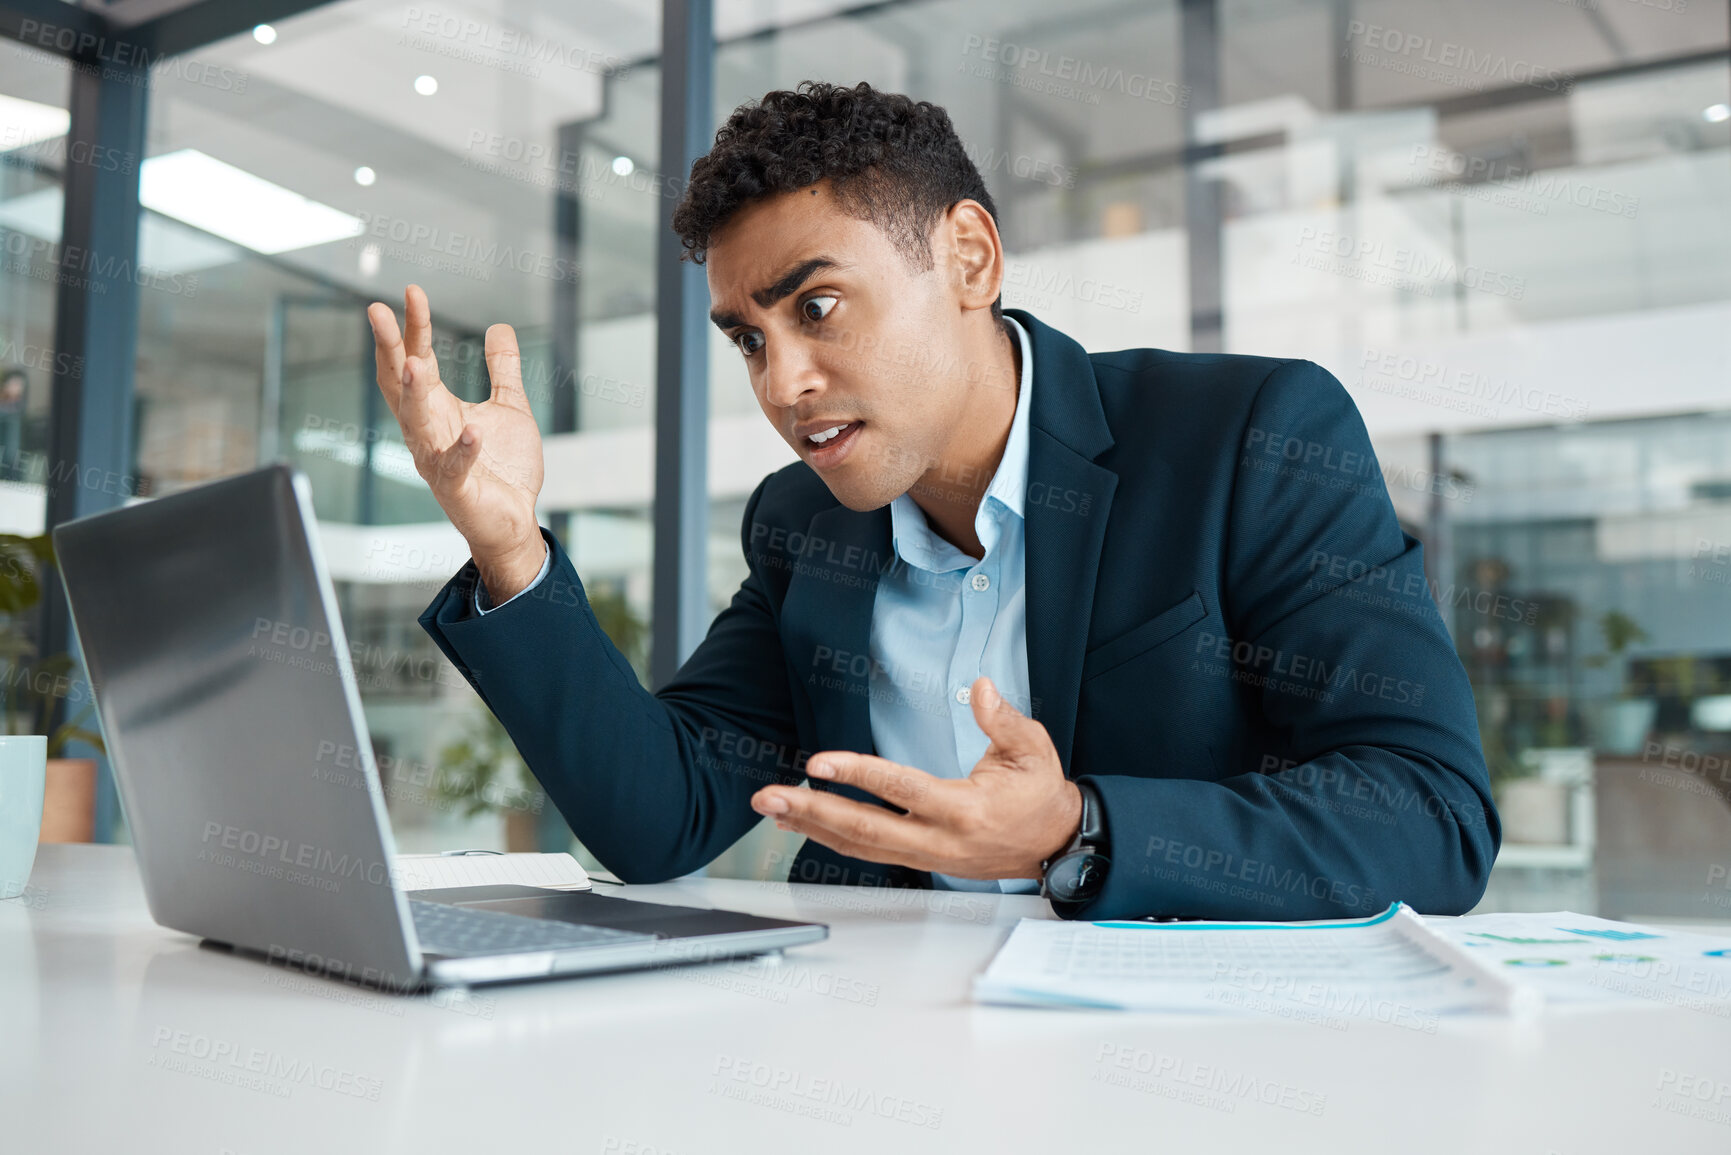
(102, 1013)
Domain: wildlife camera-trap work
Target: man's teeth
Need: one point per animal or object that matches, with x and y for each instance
(820, 438)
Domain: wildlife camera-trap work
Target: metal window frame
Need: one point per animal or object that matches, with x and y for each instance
(680, 569)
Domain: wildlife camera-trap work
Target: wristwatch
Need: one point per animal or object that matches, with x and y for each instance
(1077, 873)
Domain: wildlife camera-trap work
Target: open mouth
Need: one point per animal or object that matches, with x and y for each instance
(828, 447)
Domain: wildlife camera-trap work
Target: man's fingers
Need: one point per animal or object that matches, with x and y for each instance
(420, 381)
(387, 351)
(418, 317)
(911, 789)
(452, 466)
(870, 829)
(848, 849)
(1009, 729)
(504, 363)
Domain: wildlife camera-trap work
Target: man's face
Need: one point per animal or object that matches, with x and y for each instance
(838, 329)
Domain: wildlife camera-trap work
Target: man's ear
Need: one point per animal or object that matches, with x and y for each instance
(974, 252)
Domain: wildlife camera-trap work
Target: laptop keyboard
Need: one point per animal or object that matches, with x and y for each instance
(455, 930)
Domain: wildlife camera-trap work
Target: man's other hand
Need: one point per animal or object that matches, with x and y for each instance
(1014, 811)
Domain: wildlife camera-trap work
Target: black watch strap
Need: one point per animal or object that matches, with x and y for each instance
(1078, 872)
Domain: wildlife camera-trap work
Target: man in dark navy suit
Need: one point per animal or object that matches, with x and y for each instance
(1136, 630)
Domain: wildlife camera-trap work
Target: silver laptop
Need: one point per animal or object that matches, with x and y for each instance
(233, 722)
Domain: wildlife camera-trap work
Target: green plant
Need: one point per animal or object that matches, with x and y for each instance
(482, 771)
(1621, 632)
(1500, 760)
(34, 684)
(1678, 676)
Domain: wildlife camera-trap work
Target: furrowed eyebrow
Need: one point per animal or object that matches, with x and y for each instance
(784, 286)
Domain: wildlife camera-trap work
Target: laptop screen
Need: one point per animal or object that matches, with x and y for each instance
(233, 723)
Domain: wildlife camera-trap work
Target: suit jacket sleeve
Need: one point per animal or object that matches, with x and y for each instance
(655, 785)
(1385, 794)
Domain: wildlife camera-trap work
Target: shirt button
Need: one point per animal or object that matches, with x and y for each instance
(964, 694)
(981, 582)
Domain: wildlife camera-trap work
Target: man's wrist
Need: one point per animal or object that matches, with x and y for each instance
(508, 575)
(1071, 824)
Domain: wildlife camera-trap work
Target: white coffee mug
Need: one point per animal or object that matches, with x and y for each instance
(23, 771)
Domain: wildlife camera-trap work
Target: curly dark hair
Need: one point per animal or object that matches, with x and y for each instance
(890, 160)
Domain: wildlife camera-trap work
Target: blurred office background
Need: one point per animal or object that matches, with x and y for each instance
(1505, 227)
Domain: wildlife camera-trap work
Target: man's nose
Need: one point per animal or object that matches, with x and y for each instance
(790, 372)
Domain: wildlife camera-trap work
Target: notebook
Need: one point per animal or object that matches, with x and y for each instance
(1390, 961)
(449, 871)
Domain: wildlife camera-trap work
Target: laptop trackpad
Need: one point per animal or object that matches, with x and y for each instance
(591, 909)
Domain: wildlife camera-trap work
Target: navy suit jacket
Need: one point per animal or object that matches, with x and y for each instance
(1229, 635)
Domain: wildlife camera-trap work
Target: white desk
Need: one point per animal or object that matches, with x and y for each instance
(102, 1013)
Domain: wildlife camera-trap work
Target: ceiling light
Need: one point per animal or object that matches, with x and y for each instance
(365, 176)
(426, 85)
(25, 122)
(264, 34)
(370, 255)
(1716, 113)
(622, 166)
(234, 204)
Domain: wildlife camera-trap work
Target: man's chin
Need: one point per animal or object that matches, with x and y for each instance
(859, 498)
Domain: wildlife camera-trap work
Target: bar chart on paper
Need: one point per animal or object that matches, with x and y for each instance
(1582, 959)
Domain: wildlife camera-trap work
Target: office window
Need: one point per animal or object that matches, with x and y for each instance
(1507, 230)
(33, 157)
(368, 146)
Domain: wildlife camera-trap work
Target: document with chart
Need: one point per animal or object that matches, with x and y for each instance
(1396, 967)
(1582, 960)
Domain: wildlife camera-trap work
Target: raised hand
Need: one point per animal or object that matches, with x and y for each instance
(481, 460)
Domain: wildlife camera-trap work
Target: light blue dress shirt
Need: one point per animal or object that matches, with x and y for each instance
(483, 602)
(940, 619)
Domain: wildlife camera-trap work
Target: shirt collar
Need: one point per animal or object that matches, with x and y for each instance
(912, 536)
(1010, 482)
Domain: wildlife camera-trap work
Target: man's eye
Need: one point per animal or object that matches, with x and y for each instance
(816, 308)
(749, 343)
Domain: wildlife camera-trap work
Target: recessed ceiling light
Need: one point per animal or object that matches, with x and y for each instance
(1716, 113)
(426, 85)
(264, 34)
(622, 166)
(234, 204)
(365, 176)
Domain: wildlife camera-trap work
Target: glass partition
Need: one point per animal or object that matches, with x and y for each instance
(368, 145)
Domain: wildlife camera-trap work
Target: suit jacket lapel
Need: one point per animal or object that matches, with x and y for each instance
(828, 611)
(1065, 512)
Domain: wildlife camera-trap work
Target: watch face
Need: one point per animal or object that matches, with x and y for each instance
(1077, 876)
